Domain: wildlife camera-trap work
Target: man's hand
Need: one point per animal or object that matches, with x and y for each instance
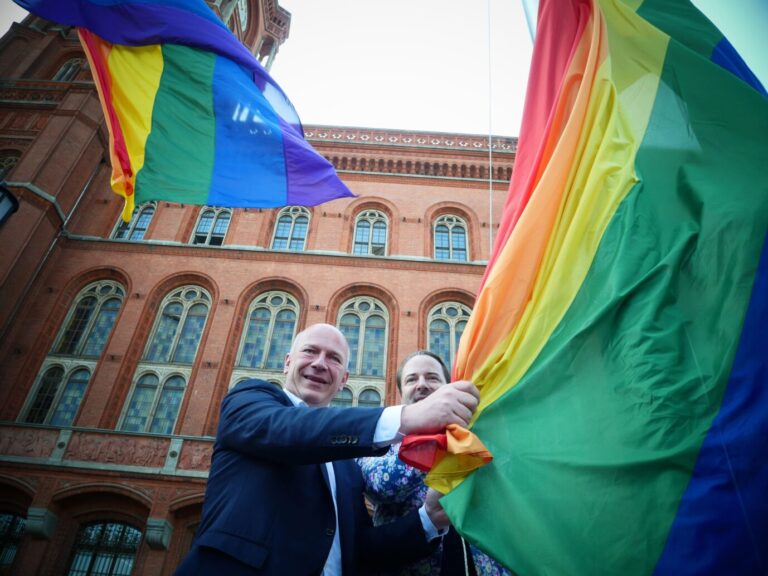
(451, 404)
(435, 510)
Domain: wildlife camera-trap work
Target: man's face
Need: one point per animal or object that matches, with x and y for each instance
(421, 376)
(316, 367)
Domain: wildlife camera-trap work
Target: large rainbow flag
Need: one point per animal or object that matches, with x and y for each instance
(193, 117)
(620, 338)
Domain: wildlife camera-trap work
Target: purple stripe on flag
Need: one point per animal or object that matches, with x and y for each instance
(311, 178)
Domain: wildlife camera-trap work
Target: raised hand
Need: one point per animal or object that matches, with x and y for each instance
(451, 404)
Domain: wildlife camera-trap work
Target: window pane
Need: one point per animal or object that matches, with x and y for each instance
(350, 327)
(46, 392)
(111, 554)
(101, 328)
(77, 325)
(204, 227)
(255, 339)
(141, 403)
(190, 334)
(122, 230)
(282, 334)
(282, 231)
(11, 530)
(373, 347)
(439, 340)
(369, 398)
(362, 237)
(343, 399)
(70, 399)
(141, 225)
(168, 406)
(160, 347)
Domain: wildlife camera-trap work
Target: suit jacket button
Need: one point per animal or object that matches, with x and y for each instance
(330, 531)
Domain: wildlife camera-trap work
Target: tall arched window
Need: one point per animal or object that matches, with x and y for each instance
(136, 228)
(446, 324)
(11, 530)
(69, 70)
(179, 326)
(64, 374)
(370, 233)
(363, 321)
(104, 549)
(212, 226)
(450, 238)
(90, 320)
(269, 331)
(162, 375)
(291, 229)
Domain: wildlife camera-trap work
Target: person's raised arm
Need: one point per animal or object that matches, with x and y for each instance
(451, 404)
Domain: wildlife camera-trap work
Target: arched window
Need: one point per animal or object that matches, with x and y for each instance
(363, 321)
(11, 530)
(450, 238)
(135, 229)
(179, 326)
(212, 226)
(154, 406)
(69, 70)
(90, 320)
(368, 398)
(104, 549)
(269, 331)
(64, 374)
(343, 399)
(446, 324)
(8, 161)
(370, 233)
(291, 229)
(58, 396)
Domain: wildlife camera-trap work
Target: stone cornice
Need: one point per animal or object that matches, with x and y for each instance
(409, 139)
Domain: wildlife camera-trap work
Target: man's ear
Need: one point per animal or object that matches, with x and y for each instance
(343, 381)
(286, 363)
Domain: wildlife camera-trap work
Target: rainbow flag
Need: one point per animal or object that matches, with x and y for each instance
(193, 117)
(620, 338)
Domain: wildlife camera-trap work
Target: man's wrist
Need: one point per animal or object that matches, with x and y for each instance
(430, 530)
(388, 427)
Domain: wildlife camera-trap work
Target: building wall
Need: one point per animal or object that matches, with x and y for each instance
(58, 479)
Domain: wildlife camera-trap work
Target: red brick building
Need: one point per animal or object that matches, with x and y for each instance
(118, 342)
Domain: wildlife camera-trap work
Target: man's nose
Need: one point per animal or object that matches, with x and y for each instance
(320, 361)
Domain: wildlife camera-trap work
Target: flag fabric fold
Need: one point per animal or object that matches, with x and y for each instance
(193, 117)
(619, 336)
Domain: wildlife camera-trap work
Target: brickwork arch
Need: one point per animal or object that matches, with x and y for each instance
(435, 298)
(457, 209)
(371, 203)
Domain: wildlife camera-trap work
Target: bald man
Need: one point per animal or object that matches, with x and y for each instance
(284, 495)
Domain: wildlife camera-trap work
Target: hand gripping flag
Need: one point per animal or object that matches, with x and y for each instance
(619, 339)
(193, 117)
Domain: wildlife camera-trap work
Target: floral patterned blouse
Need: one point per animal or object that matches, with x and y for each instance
(395, 488)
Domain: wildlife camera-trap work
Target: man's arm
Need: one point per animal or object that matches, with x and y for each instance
(388, 479)
(258, 420)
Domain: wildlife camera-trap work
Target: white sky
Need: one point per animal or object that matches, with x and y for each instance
(424, 64)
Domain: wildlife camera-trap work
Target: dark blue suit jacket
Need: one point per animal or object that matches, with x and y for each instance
(268, 507)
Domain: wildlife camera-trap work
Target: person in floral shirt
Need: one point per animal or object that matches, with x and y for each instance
(395, 488)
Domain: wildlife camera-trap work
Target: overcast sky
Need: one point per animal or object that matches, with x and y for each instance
(424, 64)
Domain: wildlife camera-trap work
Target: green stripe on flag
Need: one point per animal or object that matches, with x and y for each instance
(594, 448)
(180, 147)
